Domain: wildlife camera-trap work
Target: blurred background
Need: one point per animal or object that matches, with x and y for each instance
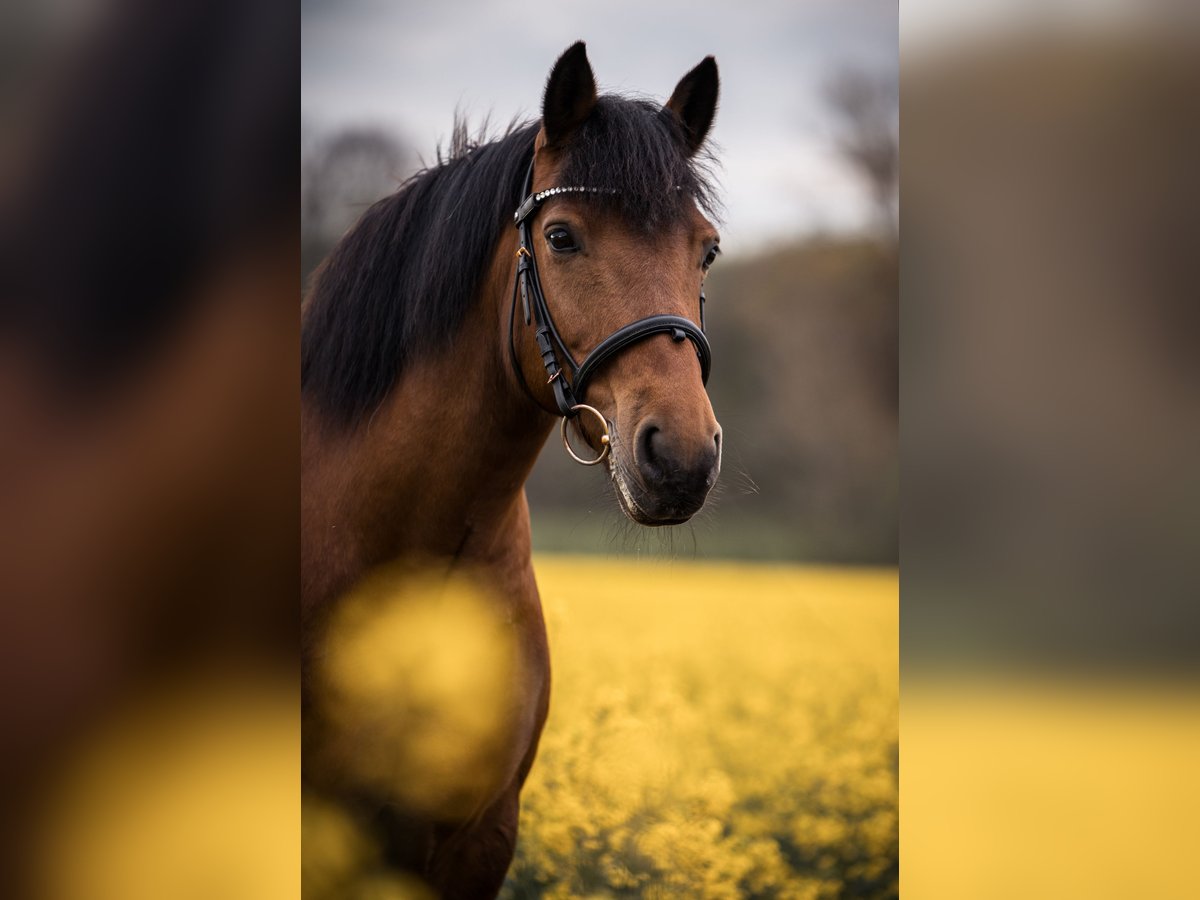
(1050, 630)
(1051, 329)
(148, 466)
(802, 307)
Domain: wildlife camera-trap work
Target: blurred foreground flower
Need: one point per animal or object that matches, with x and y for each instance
(340, 860)
(190, 793)
(416, 691)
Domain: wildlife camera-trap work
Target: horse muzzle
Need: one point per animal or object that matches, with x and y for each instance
(668, 479)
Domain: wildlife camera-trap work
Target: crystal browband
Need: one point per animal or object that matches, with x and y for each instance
(533, 201)
(542, 195)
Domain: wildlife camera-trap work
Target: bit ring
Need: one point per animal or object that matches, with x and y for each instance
(604, 439)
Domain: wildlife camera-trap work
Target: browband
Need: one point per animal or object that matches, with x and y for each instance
(533, 201)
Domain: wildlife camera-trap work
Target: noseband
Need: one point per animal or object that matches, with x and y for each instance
(556, 357)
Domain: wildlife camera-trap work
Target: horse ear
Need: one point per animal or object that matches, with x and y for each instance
(570, 94)
(695, 102)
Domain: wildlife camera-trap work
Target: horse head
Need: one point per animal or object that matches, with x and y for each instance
(616, 245)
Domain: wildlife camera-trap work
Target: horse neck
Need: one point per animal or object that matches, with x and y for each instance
(438, 471)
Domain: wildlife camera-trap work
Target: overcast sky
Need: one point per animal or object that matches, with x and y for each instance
(408, 65)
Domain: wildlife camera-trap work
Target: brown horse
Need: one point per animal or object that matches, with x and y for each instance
(439, 345)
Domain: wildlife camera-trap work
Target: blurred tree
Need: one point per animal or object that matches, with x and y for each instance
(342, 173)
(867, 111)
(866, 107)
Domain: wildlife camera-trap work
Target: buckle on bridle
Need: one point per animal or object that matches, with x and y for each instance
(528, 205)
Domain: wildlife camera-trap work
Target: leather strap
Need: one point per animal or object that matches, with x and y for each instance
(679, 328)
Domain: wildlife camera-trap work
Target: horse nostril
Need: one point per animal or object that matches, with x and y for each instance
(648, 455)
(714, 467)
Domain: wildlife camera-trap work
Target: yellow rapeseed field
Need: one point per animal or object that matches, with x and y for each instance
(716, 731)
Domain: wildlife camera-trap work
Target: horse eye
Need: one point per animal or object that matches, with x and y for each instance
(711, 256)
(561, 240)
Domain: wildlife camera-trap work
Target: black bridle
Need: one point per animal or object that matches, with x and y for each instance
(569, 395)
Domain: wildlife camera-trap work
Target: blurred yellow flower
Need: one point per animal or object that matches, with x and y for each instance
(417, 688)
(716, 730)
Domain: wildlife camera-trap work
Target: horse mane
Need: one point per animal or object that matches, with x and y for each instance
(402, 280)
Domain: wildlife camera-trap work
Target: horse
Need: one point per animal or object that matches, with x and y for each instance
(439, 345)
